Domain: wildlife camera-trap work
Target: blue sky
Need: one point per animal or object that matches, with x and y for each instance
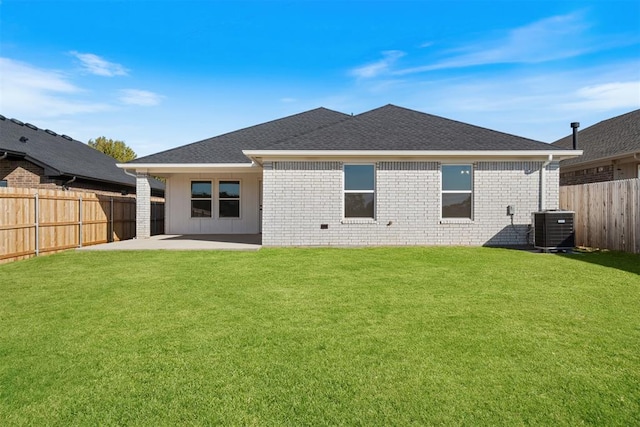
(159, 74)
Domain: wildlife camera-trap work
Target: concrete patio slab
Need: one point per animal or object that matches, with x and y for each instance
(181, 242)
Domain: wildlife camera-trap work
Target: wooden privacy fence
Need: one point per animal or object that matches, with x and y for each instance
(35, 222)
(607, 214)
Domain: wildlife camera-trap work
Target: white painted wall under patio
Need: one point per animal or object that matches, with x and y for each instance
(178, 205)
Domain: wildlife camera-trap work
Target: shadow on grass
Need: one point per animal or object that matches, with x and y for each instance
(618, 260)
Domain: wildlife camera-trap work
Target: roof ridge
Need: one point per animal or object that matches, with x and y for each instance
(242, 130)
(454, 121)
(36, 128)
(597, 124)
(348, 117)
(618, 117)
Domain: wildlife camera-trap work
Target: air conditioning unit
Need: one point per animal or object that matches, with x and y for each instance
(553, 230)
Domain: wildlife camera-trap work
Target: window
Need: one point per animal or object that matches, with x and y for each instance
(457, 191)
(200, 199)
(359, 191)
(3, 183)
(229, 199)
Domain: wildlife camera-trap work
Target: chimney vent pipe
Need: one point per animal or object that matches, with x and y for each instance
(575, 126)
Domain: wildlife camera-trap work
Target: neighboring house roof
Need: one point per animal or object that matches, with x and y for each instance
(615, 137)
(61, 155)
(228, 148)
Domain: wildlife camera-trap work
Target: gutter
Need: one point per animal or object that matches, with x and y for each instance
(412, 154)
(5, 155)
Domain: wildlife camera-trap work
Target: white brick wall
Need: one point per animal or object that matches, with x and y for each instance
(143, 206)
(300, 196)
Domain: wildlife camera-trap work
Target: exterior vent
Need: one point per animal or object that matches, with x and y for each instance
(67, 137)
(30, 126)
(18, 122)
(553, 230)
(50, 132)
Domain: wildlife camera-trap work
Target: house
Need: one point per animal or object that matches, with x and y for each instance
(611, 151)
(37, 158)
(389, 176)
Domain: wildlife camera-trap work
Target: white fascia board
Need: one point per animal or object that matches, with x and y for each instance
(189, 167)
(418, 154)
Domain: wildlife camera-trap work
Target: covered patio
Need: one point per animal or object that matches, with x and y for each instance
(181, 242)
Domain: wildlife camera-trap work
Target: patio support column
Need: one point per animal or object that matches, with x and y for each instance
(143, 206)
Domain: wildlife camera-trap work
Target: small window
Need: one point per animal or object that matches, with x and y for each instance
(229, 199)
(359, 191)
(201, 199)
(457, 191)
(3, 183)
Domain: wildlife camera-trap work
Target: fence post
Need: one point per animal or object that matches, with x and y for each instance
(80, 221)
(154, 209)
(111, 219)
(37, 222)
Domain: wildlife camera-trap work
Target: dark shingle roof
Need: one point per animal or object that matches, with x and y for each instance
(62, 155)
(386, 128)
(396, 128)
(611, 137)
(228, 148)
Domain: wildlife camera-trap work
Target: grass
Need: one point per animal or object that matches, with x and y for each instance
(400, 336)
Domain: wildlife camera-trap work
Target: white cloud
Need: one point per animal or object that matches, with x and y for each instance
(30, 91)
(22, 74)
(139, 97)
(94, 64)
(606, 96)
(379, 67)
(549, 39)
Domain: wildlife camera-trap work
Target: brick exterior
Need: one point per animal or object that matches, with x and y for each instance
(587, 176)
(24, 174)
(143, 206)
(301, 196)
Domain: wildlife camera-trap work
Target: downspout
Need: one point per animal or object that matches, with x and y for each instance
(132, 175)
(129, 173)
(5, 155)
(543, 183)
(68, 182)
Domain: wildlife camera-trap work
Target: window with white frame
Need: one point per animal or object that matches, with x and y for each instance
(229, 199)
(359, 191)
(201, 199)
(457, 191)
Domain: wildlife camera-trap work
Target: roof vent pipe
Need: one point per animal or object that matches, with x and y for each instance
(575, 126)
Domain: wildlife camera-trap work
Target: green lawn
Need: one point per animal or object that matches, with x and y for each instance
(384, 336)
